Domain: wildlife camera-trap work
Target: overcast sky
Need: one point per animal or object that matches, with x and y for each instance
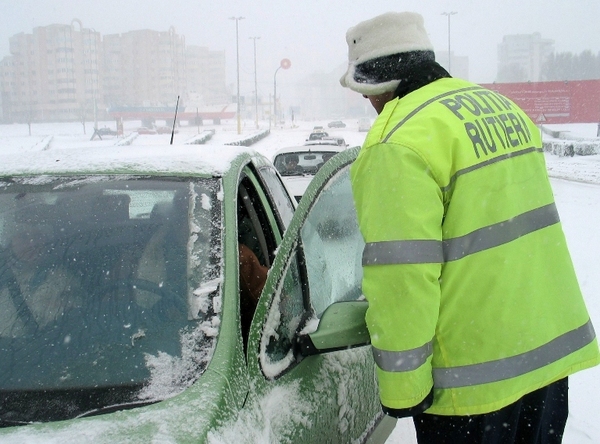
(311, 33)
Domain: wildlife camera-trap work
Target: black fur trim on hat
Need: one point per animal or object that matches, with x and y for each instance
(391, 67)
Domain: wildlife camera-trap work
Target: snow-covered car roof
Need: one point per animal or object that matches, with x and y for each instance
(209, 160)
(320, 147)
(335, 141)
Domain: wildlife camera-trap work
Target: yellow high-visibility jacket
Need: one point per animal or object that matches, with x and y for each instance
(470, 284)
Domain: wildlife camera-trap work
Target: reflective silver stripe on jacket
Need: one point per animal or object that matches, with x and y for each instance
(404, 361)
(403, 252)
(487, 372)
(494, 371)
(433, 251)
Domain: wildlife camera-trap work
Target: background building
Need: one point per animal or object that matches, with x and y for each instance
(459, 66)
(51, 74)
(205, 76)
(144, 68)
(69, 73)
(522, 56)
(320, 96)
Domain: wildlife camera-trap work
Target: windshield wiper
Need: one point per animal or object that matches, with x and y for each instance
(117, 407)
(12, 422)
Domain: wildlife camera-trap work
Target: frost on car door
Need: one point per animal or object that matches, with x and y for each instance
(332, 397)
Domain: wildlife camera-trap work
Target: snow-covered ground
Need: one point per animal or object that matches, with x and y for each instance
(575, 180)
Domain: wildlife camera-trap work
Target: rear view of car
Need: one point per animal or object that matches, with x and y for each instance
(298, 165)
(317, 135)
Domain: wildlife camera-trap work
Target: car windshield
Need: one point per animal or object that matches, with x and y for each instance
(301, 162)
(106, 291)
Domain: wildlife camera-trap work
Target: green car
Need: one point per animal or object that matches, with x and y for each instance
(122, 310)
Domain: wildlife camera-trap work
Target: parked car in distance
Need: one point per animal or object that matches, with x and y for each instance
(364, 124)
(336, 124)
(146, 342)
(105, 131)
(298, 164)
(145, 130)
(165, 130)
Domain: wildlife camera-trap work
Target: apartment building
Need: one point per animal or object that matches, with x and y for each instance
(69, 73)
(522, 56)
(51, 74)
(206, 73)
(143, 68)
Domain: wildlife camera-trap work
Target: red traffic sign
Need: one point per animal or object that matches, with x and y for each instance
(285, 63)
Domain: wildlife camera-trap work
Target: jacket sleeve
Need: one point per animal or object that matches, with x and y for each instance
(400, 211)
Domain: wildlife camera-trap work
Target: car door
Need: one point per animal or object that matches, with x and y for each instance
(328, 397)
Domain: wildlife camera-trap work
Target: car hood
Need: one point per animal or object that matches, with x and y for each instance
(296, 185)
(186, 417)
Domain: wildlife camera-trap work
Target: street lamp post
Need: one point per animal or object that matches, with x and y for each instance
(94, 69)
(275, 97)
(448, 14)
(285, 64)
(237, 49)
(255, 84)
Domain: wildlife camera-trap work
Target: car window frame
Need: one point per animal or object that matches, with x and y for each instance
(280, 199)
(291, 248)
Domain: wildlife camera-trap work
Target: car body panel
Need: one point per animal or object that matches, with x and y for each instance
(354, 413)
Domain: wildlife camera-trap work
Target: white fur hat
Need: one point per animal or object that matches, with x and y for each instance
(384, 35)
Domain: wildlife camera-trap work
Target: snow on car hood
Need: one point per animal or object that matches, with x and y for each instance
(297, 185)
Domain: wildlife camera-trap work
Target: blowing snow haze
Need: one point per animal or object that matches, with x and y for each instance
(311, 34)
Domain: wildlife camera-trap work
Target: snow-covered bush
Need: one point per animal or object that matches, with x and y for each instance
(564, 148)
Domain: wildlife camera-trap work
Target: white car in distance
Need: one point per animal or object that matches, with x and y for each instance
(297, 165)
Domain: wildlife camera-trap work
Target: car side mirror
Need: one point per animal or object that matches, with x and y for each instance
(342, 326)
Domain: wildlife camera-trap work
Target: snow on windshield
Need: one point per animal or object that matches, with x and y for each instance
(170, 375)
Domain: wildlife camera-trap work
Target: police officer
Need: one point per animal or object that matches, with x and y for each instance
(475, 313)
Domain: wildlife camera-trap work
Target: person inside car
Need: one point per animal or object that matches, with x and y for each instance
(324, 158)
(291, 166)
(35, 291)
(252, 280)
